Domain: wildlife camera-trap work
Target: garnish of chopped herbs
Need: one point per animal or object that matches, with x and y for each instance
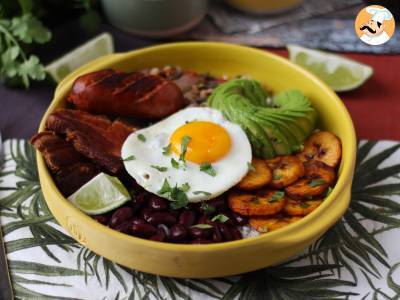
(221, 218)
(161, 169)
(207, 208)
(141, 137)
(201, 226)
(276, 196)
(131, 157)
(304, 205)
(206, 167)
(251, 167)
(174, 163)
(167, 150)
(184, 143)
(277, 177)
(316, 182)
(328, 191)
(177, 195)
(263, 229)
(202, 192)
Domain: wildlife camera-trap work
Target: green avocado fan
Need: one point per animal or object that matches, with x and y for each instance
(276, 127)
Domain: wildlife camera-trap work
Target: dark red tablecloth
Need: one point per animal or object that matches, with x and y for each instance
(375, 107)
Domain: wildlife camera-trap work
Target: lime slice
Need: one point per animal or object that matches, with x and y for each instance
(341, 74)
(100, 195)
(94, 48)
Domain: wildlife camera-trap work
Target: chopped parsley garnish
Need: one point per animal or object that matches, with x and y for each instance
(277, 177)
(161, 169)
(206, 167)
(184, 143)
(202, 192)
(316, 182)
(263, 229)
(185, 187)
(177, 195)
(201, 226)
(141, 137)
(276, 196)
(220, 217)
(328, 191)
(207, 208)
(304, 205)
(251, 167)
(132, 157)
(174, 163)
(167, 150)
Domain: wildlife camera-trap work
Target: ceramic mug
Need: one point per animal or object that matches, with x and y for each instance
(264, 6)
(155, 18)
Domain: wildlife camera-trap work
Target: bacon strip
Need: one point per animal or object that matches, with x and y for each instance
(95, 137)
(126, 94)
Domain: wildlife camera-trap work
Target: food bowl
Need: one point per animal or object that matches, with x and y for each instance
(220, 259)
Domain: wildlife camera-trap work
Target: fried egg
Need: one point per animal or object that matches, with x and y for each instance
(196, 148)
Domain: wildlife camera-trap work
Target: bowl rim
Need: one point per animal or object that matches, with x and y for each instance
(342, 183)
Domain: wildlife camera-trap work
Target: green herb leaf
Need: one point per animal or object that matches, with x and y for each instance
(167, 150)
(132, 157)
(206, 167)
(201, 226)
(221, 218)
(141, 137)
(202, 192)
(316, 182)
(277, 196)
(159, 168)
(166, 188)
(328, 191)
(30, 29)
(263, 229)
(304, 205)
(174, 163)
(251, 167)
(184, 143)
(176, 195)
(277, 177)
(185, 187)
(207, 208)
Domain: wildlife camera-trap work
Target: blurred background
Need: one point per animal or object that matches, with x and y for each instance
(35, 33)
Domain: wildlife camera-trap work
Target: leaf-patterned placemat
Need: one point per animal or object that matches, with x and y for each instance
(358, 258)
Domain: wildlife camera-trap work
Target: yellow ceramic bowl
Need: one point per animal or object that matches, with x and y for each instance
(199, 261)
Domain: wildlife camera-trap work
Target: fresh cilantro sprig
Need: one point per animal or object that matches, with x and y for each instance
(177, 195)
(277, 196)
(316, 182)
(159, 168)
(184, 144)
(206, 167)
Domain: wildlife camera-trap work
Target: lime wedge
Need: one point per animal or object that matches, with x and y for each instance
(341, 74)
(94, 48)
(100, 195)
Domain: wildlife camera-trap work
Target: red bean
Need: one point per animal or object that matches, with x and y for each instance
(225, 231)
(157, 203)
(239, 219)
(204, 220)
(139, 201)
(156, 218)
(200, 241)
(196, 232)
(237, 235)
(159, 236)
(187, 218)
(136, 220)
(217, 236)
(219, 203)
(145, 213)
(120, 215)
(178, 232)
(124, 227)
(143, 230)
(103, 219)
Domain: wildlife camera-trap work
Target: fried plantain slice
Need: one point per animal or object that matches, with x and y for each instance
(267, 224)
(262, 203)
(285, 170)
(322, 146)
(257, 178)
(300, 208)
(318, 178)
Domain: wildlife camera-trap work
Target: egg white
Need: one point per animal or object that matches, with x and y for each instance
(230, 169)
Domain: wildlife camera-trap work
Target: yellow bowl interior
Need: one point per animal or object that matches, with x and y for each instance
(221, 259)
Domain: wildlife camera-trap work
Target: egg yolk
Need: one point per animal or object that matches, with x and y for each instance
(209, 142)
